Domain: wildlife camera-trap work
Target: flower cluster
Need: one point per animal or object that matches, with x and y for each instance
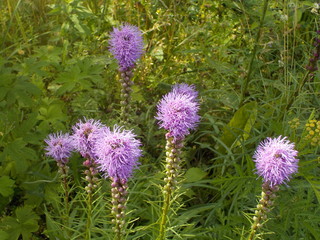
(276, 160)
(313, 132)
(59, 146)
(85, 135)
(294, 123)
(178, 111)
(115, 151)
(118, 152)
(126, 45)
(185, 89)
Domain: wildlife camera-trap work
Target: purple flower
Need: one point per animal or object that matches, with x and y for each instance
(85, 135)
(184, 88)
(276, 160)
(178, 113)
(126, 45)
(118, 153)
(59, 147)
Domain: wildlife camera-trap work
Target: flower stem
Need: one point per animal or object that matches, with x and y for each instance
(265, 204)
(64, 169)
(173, 151)
(126, 83)
(119, 197)
(92, 180)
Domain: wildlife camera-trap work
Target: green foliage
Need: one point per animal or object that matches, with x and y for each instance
(55, 68)
(240, 125)
(23, 223)
(6, 186)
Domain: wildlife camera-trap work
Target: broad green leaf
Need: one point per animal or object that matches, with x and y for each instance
(194, 174)
(19, 153)
(25, 223)
(239, 126)
(12, 227)
(3, 235)
(6, 186)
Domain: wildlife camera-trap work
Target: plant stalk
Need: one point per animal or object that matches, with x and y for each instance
(92, 180)
(173, 151)
(126, 89)
(268, 195)
(250, 68)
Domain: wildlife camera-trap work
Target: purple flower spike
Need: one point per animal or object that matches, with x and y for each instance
(118, 153)
(178, 113)
(85, 135)
(59, 147)
(276, 160)
(126, 45)
(184, 88)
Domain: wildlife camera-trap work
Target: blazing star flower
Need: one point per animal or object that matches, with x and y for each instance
(276, 160)
(184, 88)
(178, 114)
(85, 135)
(118, 153)
(59, 147)
(126, 45)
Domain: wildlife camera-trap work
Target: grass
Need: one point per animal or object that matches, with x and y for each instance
(248, 61)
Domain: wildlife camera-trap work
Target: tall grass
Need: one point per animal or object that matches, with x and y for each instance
(247, 60)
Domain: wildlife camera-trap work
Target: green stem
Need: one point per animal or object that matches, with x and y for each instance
(295, 94)
(126, 83)
(264, 206)
(63, 168)
(165, 209)
(119, 193)
(173, 150)
(92, 180)
(250, 68)
(66, 197)
(89, 216)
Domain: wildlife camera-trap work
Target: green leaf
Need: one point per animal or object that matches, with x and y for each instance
(19, 153)
(6, 186)
(25, 223)
(3, 235)
(315, 185)
(136, 94)
(194, 174)
(239, 126)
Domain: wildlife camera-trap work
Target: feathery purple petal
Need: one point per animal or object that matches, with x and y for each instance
(183, 88)
(276, 160)
(178, 112)
(126, 45)
(85, 134)
(118, 152)
(59, 147)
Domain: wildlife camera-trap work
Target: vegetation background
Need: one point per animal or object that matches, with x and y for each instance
(248, 61)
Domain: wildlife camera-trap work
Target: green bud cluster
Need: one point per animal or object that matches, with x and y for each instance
(63, 169)
(126, 89)
(119, 197)
(91, 176)
(294, 123)
(264, 206)
(173, 160)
